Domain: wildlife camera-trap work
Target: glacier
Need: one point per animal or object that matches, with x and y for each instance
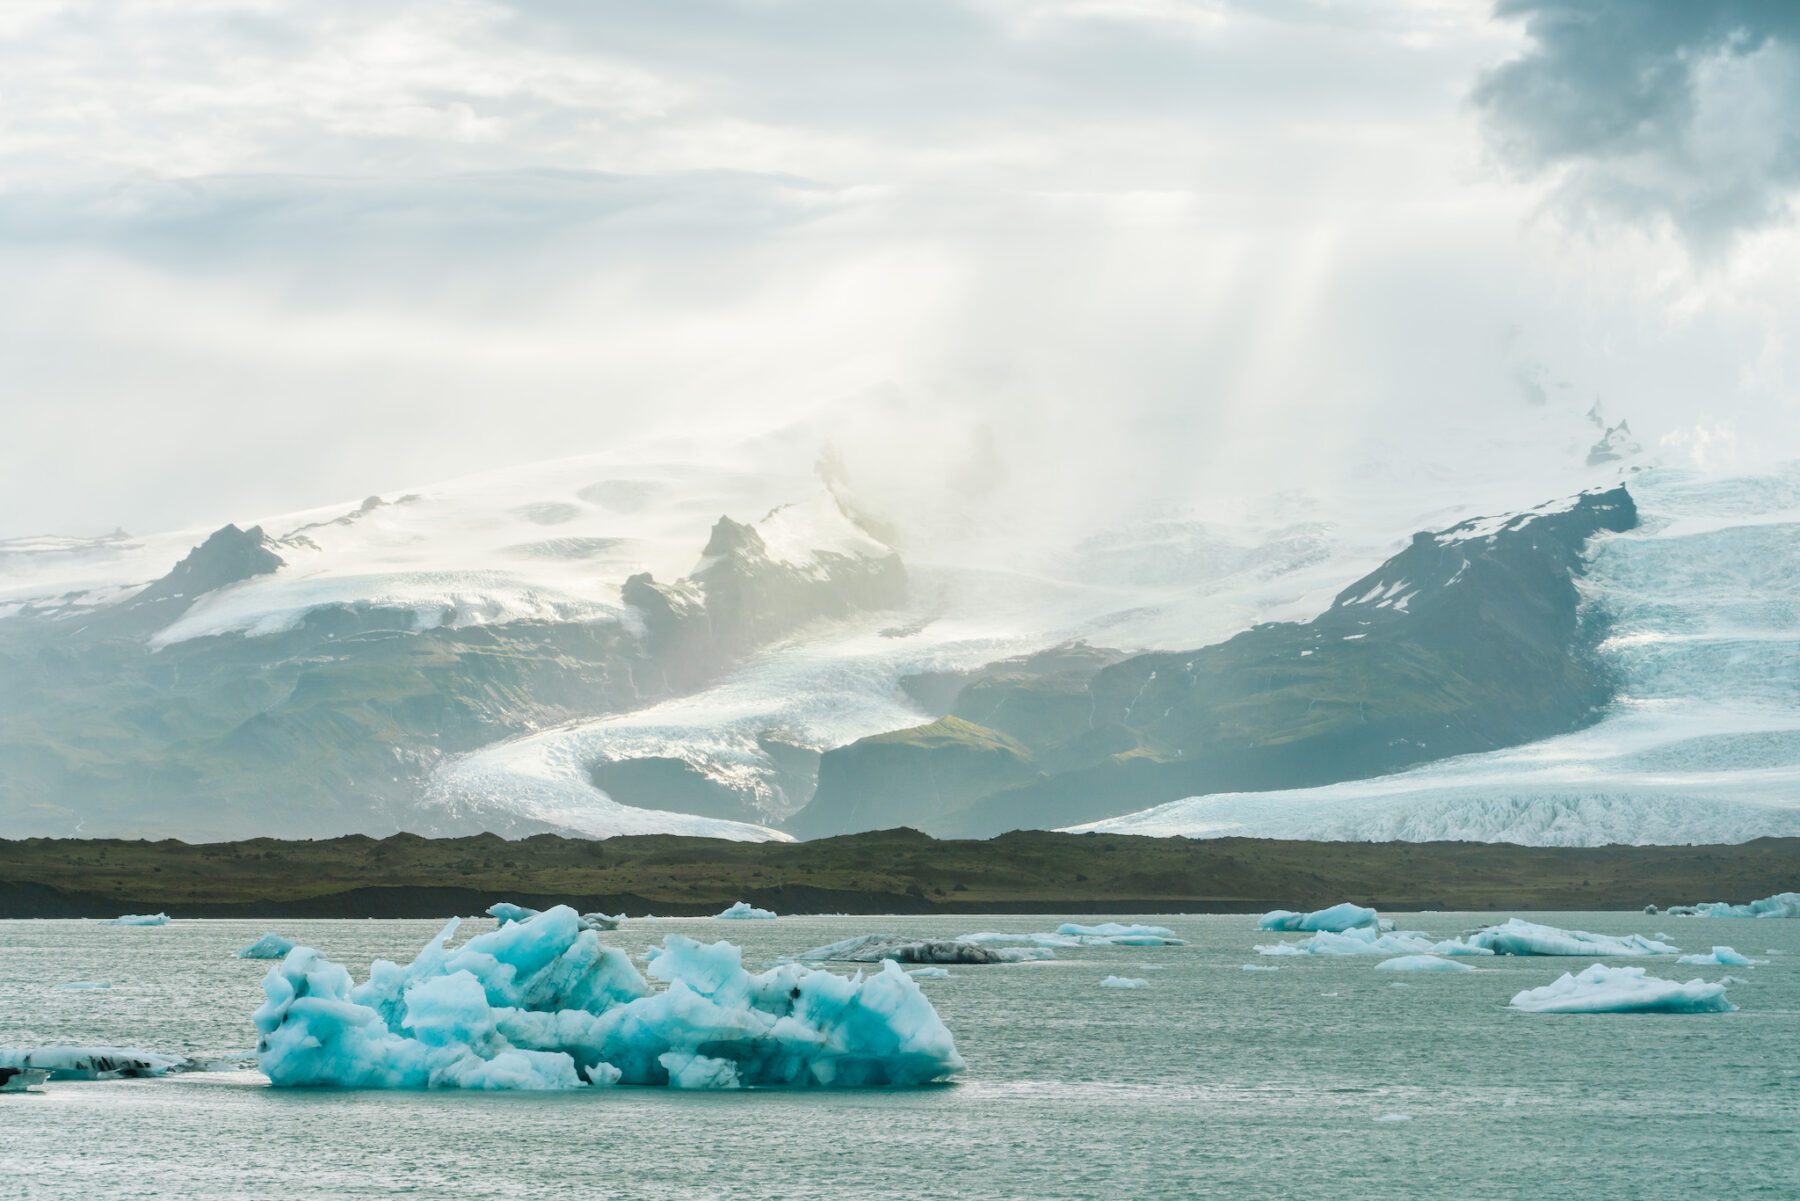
(1781, 905)
(1604, 989)
(269, 946)
(1702, 744)
(745, 911)
(1421, 963)
(541, 1003)
(1336, 919)
(1721, 957)
(1520, 937)
(137, 919)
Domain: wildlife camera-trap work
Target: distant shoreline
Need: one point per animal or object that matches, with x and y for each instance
(885, 872)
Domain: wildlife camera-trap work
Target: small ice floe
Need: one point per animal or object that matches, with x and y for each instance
(269, 946)
(21, 1080)
(1394, 1117)
(1782, 904)
(1114, 934)
(1520, 937)
(505, 912)
(930, 973)
(1721, 957)
(1124, 982)
(1259, 967)
(68, 1062)
(543, 1004)
(1421, 963)
(1651, 910)
(137, 919)
(1336, 919)
(1605, 989)
(990, 938)
(85, 985)
(744, 911)
(873, 948)
(1369, 940)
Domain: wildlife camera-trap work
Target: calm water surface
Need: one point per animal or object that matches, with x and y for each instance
(1320, 1080)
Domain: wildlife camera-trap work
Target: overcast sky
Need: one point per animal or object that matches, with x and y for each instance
(258, 255)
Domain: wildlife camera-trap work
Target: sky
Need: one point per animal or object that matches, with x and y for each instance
(262, 255)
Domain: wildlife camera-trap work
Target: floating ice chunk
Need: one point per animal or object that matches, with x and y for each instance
(988, 938)
(1421, 963)
(1260, 967)
(1605, 989)
(85, 985)
(1394, 1117)
(1650, 910)
(1721, 957)
(929, 973)
(541, 1003)
(1367, 940)
(1336, 919)
(1782, 904)
(21, 1080)
(269, 946)
(1520, 937)
(1153, 935)
(1124, 982)
(873, 948)
(505, 912)
(137, 919)
(91, 1063)
(744, 911)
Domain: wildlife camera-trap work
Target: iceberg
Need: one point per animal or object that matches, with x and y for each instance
(1071, 934)
(85, 985)
(1604, 989)
(1260, 967)
(1124, 982)
(505, 912)
(1721, 957)
(744, 911)
(1368, 940)
(137, 919)
(1520, 937)
(67, 1062)
(1421, 963)
(1782, 904)
(1336, 919)
(269, 946)
(987, 938)
(873, 948)
(21, 1080)
(541, 1003)
(930, 973)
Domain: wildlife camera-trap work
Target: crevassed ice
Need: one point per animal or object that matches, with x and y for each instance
(1605, 989)
(541, 1003)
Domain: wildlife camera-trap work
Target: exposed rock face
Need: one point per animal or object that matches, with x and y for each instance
(1470, 639)
(1614, 445)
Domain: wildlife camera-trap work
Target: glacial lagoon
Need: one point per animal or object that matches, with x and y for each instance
(1323, 1079)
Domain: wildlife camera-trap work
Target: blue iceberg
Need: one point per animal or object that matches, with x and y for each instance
(137, 919)
(1421, 963)
(1604, 989)
(269, 946)
(505, 912)
(1124, 982)
(541, 1003)
(1721, 957)
(1520, 937)
(744, 911)
(1336, 919)
(1782, 904)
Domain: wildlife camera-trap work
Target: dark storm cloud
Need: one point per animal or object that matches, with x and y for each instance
(1677, 110)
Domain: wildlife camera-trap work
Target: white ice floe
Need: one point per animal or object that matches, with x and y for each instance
(1721, 957)
(744, 911)
(69, 1062)
(1336, 919)
(1367, 940)
(542, 1004)
(873, 948)
(929, 973)
(1782, 904)
(269, 946)
(1421, 963)
(1520, 937)
(1124, 982)
(1604, 989)
(1073, 934)
(1260, 967)
(137, 919)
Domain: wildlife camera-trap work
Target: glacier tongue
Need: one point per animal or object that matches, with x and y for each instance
(541, 1003)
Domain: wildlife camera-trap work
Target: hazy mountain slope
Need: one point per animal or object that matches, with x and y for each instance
(1470, 638)
(1702, 743)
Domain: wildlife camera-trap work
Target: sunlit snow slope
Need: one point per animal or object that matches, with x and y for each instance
(1702, 745)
